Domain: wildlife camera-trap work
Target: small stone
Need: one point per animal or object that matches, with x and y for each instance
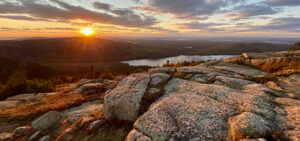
(96, 124)
(6, 137)
(22, 130)
(47, 120)
(35, 135)
(45, 138)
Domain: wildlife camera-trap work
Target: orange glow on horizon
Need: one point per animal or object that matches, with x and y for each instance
(87, 31)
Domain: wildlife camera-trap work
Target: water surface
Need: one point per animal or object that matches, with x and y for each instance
(172, 60)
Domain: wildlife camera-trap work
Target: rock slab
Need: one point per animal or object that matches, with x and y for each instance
(123, 102)
(47, 120)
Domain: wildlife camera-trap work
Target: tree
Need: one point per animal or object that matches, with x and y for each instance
(295, 47)
(107, 74)
(91, 73)
(16, 83)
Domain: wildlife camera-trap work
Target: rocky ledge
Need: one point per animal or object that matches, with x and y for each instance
(216, 100)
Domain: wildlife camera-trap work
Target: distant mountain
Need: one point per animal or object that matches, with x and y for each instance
(86, 49)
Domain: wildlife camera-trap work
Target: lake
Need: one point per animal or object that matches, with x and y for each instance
(181, 58)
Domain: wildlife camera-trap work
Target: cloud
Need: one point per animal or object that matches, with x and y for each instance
(13, 17)
(289, 24)
(59, 28)
(188, 8)
(102, 6)
(36, 29)
(7, 29)
(136, 1)
(246, 11)
(198, 25)
(159, 29)
(282, 2)
(62, 11)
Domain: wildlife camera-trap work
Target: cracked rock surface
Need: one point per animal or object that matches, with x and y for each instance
(210, 101)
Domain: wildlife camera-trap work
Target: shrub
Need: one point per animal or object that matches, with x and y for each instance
(281, 66)
(295, 47)
(36, 86)
(107, 74)
(182, 64)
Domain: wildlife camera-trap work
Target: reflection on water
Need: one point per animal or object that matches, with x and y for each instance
(181, 58)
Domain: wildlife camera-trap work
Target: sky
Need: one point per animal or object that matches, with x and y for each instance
(150, 18)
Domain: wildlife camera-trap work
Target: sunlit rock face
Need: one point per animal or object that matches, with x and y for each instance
(123, 102)
(212, 101)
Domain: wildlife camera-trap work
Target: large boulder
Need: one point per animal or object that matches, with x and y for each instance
(185, 116)
(123, 102)
(47, 120)
(249, 125)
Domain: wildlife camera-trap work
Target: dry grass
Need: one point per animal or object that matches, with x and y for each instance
(281, 66)
(179, 74)
(29, 111)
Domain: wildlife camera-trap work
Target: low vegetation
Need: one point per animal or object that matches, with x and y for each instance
(295, 47)
(18, 83)
(56, 102)
(291, 66)
(182, 64)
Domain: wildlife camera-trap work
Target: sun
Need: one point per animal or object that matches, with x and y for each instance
(87, 31)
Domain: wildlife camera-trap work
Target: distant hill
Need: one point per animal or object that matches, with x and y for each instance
(83, 49)
(169, 48)
(66, 50)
